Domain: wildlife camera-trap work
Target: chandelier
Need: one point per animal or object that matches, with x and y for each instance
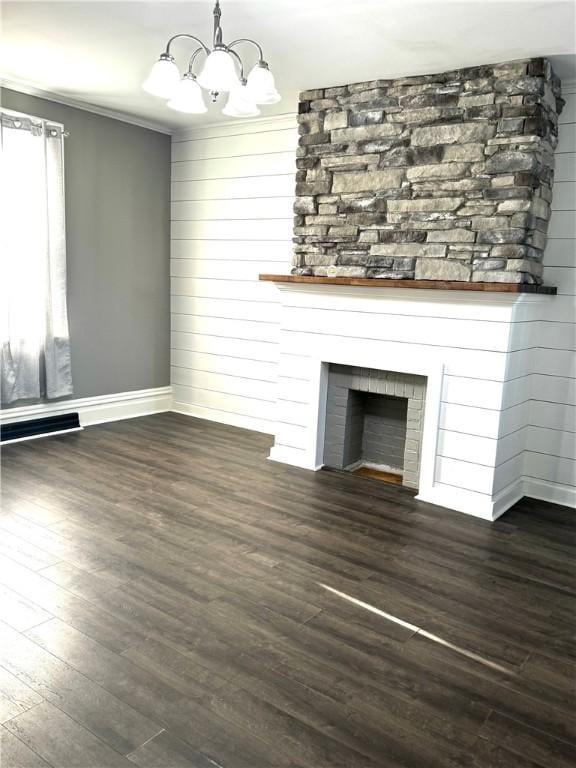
(222, 71)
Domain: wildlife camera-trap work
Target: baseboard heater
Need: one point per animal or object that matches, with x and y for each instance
(50, 425)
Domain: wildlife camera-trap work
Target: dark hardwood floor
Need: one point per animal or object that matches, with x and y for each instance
(172, 599)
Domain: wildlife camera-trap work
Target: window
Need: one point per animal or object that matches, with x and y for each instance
(34, 337)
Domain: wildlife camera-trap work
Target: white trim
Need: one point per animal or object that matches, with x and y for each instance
(486, 508)
(461, 500)
(97, 410)
(259, 124)
(67, 101)
(413, 294)
(503, 500)
(43, 434)
(285, 454)
(556, 493)
(223, 417)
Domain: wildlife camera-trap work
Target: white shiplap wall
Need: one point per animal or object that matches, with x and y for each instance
(232, 197)
(232, 193)
(550, 440)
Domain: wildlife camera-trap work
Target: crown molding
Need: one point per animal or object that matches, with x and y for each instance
(32, 90)
(234, 127)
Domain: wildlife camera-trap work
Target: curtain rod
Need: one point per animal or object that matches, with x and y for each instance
(42, 122)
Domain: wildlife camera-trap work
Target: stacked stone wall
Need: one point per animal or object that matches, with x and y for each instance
(438, 177)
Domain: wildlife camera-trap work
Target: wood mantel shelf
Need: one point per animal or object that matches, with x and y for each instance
(442, 285)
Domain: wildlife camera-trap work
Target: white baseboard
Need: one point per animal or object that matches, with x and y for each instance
(97, 410)
(224, 417)
(506, 498)
(488, 508)
(556, 493)
(296, 457)
(458, 499)
(472, 503)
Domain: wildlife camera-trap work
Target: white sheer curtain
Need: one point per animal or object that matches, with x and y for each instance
(34, 337)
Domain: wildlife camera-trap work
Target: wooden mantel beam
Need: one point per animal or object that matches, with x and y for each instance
(440, 285)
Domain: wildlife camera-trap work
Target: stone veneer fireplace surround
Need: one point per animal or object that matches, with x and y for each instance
(434, 177)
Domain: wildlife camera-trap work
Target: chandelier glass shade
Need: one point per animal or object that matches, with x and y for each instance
(163, 79)
(222, 71)
(219, 72)
(261, 86)
(187, 96)
(239, 103)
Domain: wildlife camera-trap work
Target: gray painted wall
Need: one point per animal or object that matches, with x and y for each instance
(118, 240)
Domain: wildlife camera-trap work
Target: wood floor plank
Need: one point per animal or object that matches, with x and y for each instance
(511, 695)
(111, 630)
(15, 696)
(524, 740)
(25, 553)
(553, 673)
(19, 505)
(81, 583)
(169, 752)
(399, 713)
(176, 598)
(15, 754)
(377, 732)
(486, 754)
(61, 741)
(19, 612)
(386, 671)
(136, 686)
(122, 727)
(193, 673)
(272, 725)
(151, 694)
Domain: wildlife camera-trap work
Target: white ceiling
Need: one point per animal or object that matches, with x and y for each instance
(99, 52)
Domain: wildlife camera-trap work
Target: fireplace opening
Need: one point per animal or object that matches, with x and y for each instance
(376, 434)
(374, 423)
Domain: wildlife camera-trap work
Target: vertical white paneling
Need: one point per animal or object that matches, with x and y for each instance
(232, 197)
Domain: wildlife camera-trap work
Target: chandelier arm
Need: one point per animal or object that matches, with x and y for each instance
(191, 37)
(247, 40)
(193, 58)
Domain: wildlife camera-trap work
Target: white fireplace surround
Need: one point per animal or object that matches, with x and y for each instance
(398, 362)
(473, 348)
